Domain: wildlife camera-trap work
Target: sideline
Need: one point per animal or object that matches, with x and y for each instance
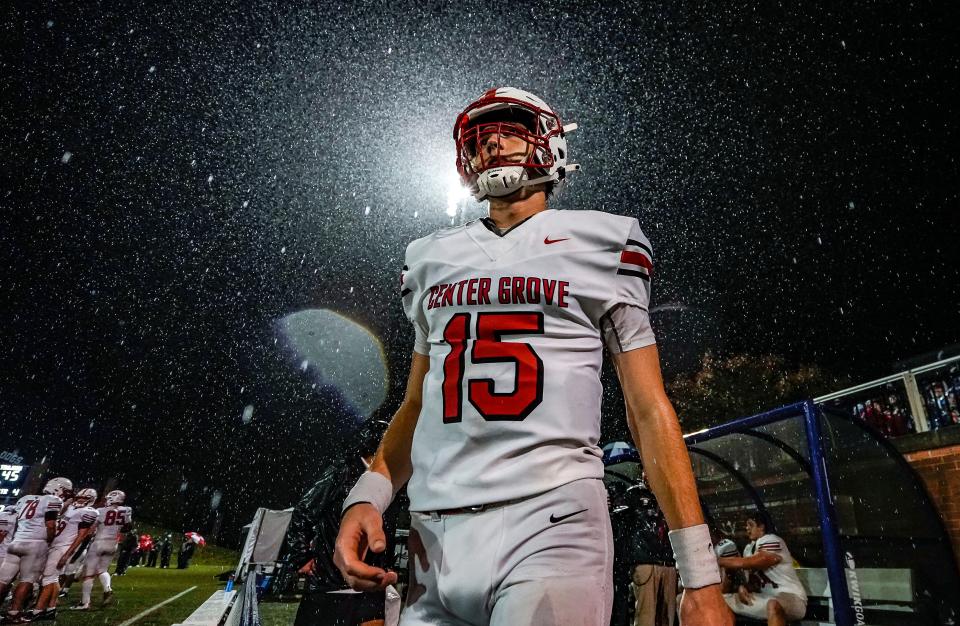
(155, 607)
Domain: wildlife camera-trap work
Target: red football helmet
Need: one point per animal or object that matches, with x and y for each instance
(509, 112)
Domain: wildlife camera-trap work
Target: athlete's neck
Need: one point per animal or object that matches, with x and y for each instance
(506, 212)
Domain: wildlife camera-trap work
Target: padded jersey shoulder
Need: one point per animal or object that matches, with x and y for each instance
(597, 229)
(418, 249)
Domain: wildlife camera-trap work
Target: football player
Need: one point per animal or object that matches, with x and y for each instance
(8, 522)
(725, 547)
(36, 528)
(75, 524)
(781, 596)
(113, 520)
(496, 437)
(74, 567)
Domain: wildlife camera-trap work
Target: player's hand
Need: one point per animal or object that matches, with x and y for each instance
(744, 595)
(361, 529)
(704, 607)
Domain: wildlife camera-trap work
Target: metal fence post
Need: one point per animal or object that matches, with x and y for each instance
(917, 407)
(832, 550)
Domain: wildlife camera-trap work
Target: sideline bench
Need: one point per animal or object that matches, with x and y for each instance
(211, 612)
(886, 595)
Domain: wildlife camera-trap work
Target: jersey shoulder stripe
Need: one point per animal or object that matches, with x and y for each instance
(636, 260)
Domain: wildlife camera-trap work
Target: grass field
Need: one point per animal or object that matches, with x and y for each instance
(144, 587)
(141, 588)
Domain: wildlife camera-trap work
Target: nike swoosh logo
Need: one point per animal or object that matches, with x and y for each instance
(554, 519)
(549, 241)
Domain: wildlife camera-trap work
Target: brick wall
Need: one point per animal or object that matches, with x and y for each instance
(940, 470)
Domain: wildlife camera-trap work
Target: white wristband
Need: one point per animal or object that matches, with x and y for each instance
(696, 560)
(373, 488)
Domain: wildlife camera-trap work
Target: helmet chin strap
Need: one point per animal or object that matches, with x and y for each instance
(500, 182)
(572, 167)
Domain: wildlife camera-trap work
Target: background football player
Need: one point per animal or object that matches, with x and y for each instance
(8, 522)
(113, 520)
(779, 595)
(36, 528)
(75, 524)
(497, 433)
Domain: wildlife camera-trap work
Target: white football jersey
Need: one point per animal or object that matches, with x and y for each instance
(782, 577)
(33, 512)
(110, 523)
(8, 523)
(69, 525)
(511, 403)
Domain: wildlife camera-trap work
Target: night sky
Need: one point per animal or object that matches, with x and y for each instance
(180, 177)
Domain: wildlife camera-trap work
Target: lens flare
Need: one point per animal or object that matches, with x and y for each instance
(456, 194)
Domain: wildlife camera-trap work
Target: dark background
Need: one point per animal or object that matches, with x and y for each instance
(179, 176)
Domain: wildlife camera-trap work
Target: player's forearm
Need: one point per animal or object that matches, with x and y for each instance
(393, 456)
(73, 547)
(761, 560)
(657, 434)
(733, 562)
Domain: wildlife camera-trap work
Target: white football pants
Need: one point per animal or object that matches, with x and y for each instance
(543, 561)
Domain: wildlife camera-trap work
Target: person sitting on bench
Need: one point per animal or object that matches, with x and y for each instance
(773, 593)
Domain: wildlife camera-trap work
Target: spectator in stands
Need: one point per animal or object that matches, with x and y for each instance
(166, 549)
(897, 421)
(938, 406)
(873, 414)
(313, 530)
(774, 592)
(953, 400)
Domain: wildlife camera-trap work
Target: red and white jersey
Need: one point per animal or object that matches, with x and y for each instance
(511, 403)
(33, 512)
(8, 523)
(110, 523)
(780, 578)
(69, 525)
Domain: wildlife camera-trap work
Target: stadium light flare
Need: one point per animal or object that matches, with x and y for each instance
(456, 193)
